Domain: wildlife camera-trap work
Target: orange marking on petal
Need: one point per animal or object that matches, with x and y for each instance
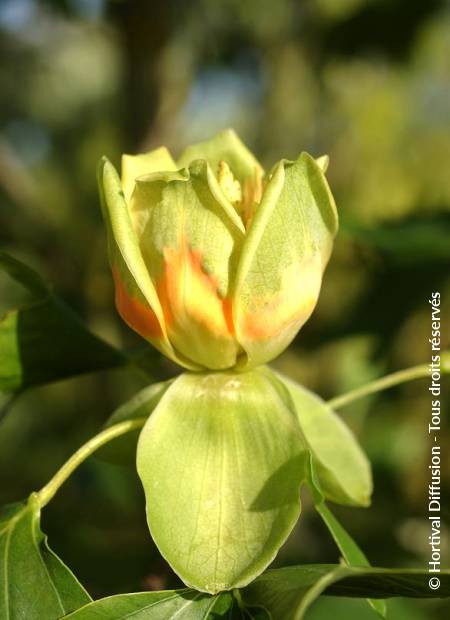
(293, 303)
(137, 314)
(227, 307)
(189, 294)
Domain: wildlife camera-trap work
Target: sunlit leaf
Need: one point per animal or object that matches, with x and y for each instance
(342, 468)
(221, 460)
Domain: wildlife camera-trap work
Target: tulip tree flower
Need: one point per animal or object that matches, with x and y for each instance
(219, 263)
(216, 262)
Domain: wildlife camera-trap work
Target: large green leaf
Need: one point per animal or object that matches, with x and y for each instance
(342, 469)
(34, 582)
(182, 604)
(287, 593)
(44, 340)
(221, 460)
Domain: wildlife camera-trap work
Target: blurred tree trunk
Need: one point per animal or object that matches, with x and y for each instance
(145, 27)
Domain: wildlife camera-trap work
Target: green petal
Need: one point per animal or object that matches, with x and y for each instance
(342, 468)
(221, 460)
(225, 146)
(126, 258)
(283, 258)
(190, 237)
(134, 166)
(323, 162)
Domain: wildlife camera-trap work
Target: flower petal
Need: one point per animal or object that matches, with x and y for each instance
(134, 166)
(225, 146)
(323, 162)
(283, 258)
(190, 246)
(136, 298)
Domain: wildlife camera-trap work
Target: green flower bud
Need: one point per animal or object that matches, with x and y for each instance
(215, 262)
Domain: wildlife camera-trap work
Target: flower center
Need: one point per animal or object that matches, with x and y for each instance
(244, 198)
(229, 184)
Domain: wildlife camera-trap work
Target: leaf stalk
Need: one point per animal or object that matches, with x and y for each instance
(49, 490)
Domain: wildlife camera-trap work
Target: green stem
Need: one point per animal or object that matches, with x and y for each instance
(416, 372)
(48, 491)
(238, 597)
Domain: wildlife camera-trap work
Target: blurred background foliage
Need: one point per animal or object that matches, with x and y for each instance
(367, 82)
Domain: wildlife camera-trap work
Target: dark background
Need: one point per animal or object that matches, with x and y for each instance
(367, 82)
